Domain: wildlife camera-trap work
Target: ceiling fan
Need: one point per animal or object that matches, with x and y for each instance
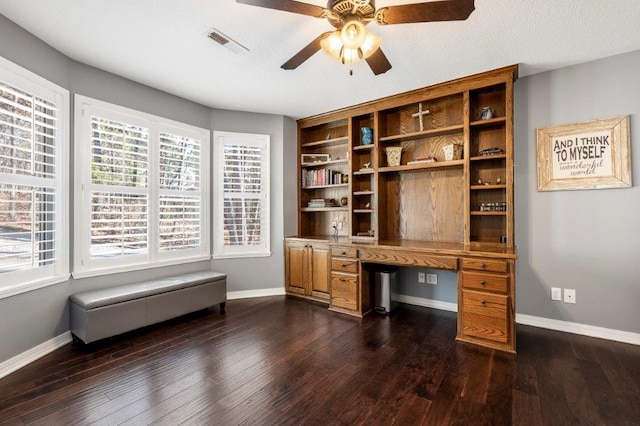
(351, 41)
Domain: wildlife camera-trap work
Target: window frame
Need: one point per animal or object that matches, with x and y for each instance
(21, 281)
(84, 265)
(244, 251)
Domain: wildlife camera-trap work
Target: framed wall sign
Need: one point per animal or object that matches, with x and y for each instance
(588, 155)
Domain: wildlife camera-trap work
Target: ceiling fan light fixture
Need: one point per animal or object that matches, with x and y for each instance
(353, 34)
(332, 45)
(371, 43)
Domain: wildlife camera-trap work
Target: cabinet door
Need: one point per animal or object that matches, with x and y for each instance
(295, 266)
(319, 270)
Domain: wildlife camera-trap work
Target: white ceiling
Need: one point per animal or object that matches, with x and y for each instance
(164, 44)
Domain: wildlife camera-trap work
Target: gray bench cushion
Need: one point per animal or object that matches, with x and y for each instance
(110, 296)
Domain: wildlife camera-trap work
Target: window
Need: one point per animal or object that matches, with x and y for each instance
(141, 190)
(33, 216)
(241, 182)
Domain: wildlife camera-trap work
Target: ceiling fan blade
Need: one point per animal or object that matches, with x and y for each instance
(378, 62)
(304, 54)
(446, 10)
(287, 6)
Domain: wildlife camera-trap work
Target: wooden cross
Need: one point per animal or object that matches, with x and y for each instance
(420, 114)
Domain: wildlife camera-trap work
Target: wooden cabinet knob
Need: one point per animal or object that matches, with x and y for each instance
(344, 253)
(344, 265)
(343, 280)
(482, 265)
(484, 302)
(483, 283)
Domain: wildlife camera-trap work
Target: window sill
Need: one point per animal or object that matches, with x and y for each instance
(240, 255)
(17, 289)
(137, 267)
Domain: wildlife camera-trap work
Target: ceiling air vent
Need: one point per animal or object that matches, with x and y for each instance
(227, 42)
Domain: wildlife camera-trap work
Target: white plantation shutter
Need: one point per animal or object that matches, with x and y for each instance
(242, 197)
(141, 185)
(119, 190)
(32, 204)
(180, 184)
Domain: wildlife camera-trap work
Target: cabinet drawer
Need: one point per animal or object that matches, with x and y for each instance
(344, 251)
(344, 291)
(485, 316)
(344, 265)
(481, 281)
(486, 265)
(407, 258)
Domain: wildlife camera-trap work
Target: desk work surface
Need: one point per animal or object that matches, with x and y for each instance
(420, 246)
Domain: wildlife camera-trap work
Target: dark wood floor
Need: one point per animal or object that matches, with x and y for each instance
(278, 360)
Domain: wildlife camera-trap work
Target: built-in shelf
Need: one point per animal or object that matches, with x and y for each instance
(488, 123)
(363, 193)
(423, 134)
(324, 209)
(488, 157)
(363, 210)
(323, 163)
(479, 213)
(363, 147)
(420, 166)
(326, 186)
(486, 187)
(332, 141)
(363, 172)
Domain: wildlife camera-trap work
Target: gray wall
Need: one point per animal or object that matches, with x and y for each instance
(35, 317)
(585, 240)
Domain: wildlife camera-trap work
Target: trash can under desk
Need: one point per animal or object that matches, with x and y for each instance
(385, 286)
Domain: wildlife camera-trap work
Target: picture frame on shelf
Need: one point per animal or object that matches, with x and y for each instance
(314, 158)
(591, 154)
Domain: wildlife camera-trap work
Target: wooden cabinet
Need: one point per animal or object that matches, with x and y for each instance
(460, 207)
(349, 293)
(486, 302)
(307, 269)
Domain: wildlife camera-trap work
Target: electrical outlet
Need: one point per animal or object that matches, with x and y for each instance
(432, 279)
(421, 278)
(556, 293)
(569, 295)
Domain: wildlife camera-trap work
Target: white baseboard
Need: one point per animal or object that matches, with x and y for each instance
(582, 329)
(246, 294)
(540, 322)
(427, 303)
(19, 361)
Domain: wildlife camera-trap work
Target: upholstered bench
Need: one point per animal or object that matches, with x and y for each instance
(96, 314)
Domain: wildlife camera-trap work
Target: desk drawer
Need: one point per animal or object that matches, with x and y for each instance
(481, 281)
(485, 316)
(344, 251)
(344, 291)
(500, 266)
(344, 265)
(407, 258)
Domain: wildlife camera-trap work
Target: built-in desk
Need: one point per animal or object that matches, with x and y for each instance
(486, 281)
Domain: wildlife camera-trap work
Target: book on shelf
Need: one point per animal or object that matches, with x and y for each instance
(320, 177)
(422, 160)
(321, 203)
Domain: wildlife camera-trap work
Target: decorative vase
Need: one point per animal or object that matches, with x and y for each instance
(487, 113)
(393, 155)
(452, 152)
(367, 135)
(343, 201)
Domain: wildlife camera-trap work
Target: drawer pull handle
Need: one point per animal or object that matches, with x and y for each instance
(484, 302)
(343, 280)
(482, 265)
(344, 265)
(344, 253)
(483, 283)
